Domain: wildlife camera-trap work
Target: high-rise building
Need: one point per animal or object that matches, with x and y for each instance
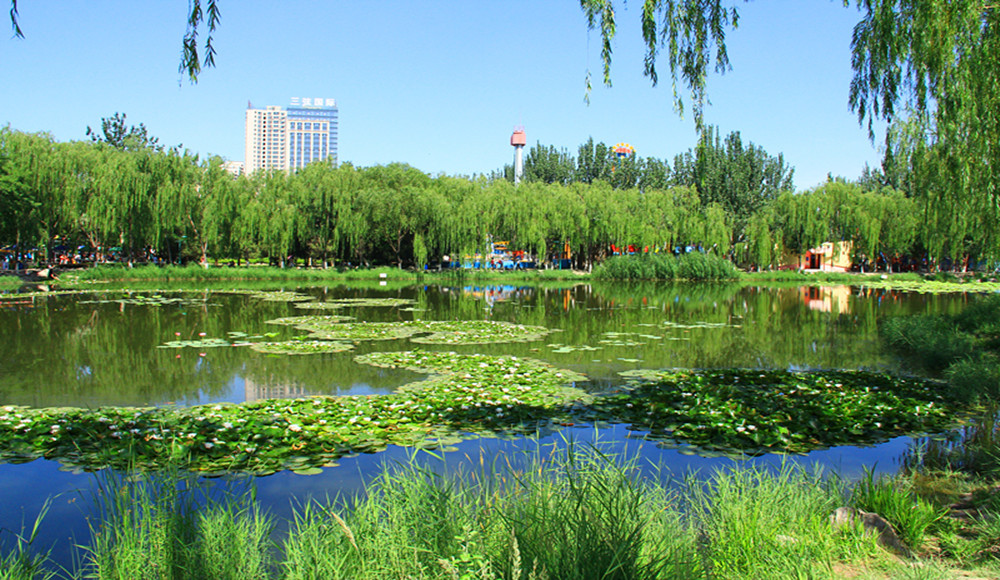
(287, 139)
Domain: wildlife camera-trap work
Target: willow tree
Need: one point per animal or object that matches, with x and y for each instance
(32, 173)
(220, 210)
(933, 64)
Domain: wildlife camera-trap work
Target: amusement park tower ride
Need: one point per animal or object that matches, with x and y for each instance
(518, 139)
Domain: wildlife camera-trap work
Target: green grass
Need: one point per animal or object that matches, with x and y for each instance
(694, 266)
(195, 272)
(20, 561)
(895, 499)
(569, 512)
(10, 282)
(964, 348)
(167, 525)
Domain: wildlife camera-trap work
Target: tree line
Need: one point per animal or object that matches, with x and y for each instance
(142, 200)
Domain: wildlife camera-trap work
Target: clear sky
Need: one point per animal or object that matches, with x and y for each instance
(436, 84)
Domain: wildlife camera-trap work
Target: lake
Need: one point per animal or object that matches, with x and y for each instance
(162, 346)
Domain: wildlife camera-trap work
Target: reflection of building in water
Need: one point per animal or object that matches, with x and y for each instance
(497, 293)
(828, 298)
(272, 388)
(829, 257)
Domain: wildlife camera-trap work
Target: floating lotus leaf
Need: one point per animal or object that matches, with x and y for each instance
(439, 332)
(466, 395)
(373, 302)
(200, 343)
(670, 324)
(301, 347)
(141, 300)
(310, 321)
(318, 305)
(754, 411)
(276, 296)
(478, 332)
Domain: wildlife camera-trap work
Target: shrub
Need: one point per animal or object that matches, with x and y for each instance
(693, 266)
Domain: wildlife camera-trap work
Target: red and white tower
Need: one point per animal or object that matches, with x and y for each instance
(518, 140)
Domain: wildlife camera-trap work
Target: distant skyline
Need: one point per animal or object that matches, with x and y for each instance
(439, 86)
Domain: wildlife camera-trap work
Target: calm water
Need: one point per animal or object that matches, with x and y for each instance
(106, 348)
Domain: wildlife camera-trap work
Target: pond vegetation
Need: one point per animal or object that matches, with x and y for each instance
(643, 333)
(574, 511)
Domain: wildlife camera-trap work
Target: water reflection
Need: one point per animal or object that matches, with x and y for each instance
(107, 348)
(26, 487)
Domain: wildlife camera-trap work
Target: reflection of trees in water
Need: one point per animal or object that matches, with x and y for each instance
(66, 353)
(971, 449)
(62, 352)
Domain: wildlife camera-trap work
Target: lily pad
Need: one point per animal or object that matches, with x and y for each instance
(301, 347)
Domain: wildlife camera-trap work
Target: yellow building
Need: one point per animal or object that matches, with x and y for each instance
(829, 257)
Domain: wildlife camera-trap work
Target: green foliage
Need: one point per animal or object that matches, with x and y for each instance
(753, 412)
(927, 66)
(894, 499)
(935, 342)
(169, 525)
(17, 561)
(114, 133)
(761, 523)
(740, 179)
(692, 266)
(964, 347)
(693, 32)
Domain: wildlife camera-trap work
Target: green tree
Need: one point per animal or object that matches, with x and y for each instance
(548, 165)
(116, 134)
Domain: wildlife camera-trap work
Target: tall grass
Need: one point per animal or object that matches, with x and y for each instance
(694, 266)
(20, 562)
(10, 282)
(195, 272)
(761, 523)
(894, 499)
(964, 348)
(155, 526)
(576, 513)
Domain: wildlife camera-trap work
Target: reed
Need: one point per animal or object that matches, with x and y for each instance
(694, 266)
(195, 272)
(10, 282)
(894, 499)
(20, 561)
(167, 525)
(569, 512)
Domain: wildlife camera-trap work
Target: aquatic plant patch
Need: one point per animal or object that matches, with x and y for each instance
(273, 296)
(317, 306)
(671, 324)
(301, 347)
(438, 332)
(357, 303)
(200, 343)
(559, 348)
(754, 412)
(477, 332)
(154, 300)
(310, 321)
(467, 396)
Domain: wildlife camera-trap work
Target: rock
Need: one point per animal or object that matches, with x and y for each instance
(873, 524)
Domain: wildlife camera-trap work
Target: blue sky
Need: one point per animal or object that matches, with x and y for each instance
(437, 84)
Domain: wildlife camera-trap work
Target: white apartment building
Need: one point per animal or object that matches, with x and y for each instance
(290, 138)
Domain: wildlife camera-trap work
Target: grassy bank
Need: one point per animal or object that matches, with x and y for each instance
(642, 267)
(194, 272)
(571, 513)
(10, 282)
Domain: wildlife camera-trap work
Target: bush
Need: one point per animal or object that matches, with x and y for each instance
(894, 499)
(933, 342)
(975, 379)
(693, 266)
